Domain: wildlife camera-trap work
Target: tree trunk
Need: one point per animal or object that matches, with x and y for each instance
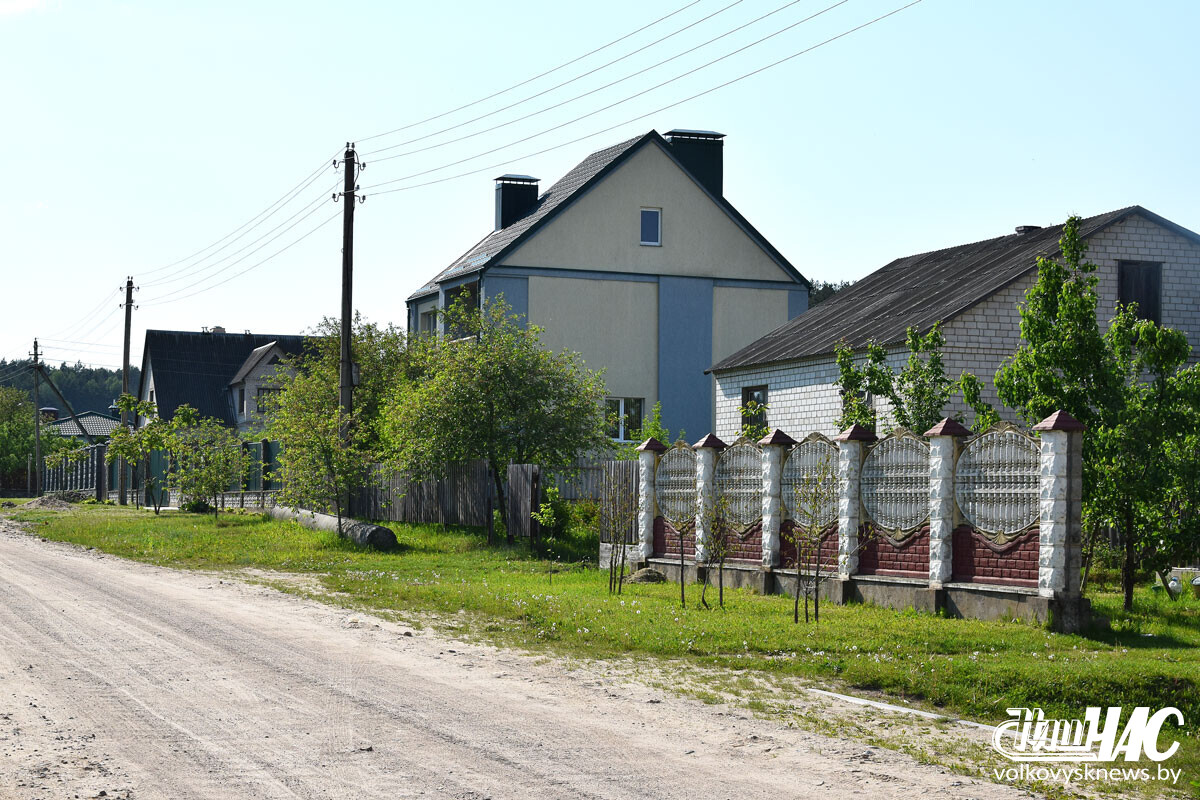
(721, 584)
(1130, 561)
(682, 595)
(508, 534)
(796, 599)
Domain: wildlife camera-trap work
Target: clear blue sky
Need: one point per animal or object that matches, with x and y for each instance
(137, 133)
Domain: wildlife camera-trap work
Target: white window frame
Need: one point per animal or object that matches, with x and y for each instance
(658, 212)
(622, 415)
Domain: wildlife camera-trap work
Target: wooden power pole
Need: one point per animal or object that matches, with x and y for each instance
(37, 427)
(122, 487)
(346, 370)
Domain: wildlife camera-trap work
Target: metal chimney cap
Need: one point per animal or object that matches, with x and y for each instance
(516, 179)
(687, 133)
(1024, 229)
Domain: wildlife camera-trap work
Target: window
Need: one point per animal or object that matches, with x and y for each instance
(652, 227)
(625, 415)
(242, 401)
(264, 399)
(428, 321)
(1141, 282)
(754, 406)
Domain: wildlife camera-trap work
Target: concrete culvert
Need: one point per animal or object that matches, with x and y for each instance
(365, 534)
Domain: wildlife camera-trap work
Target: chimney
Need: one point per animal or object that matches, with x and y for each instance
(516, 195)
(48, 412)
(700, 152)
(1024, 229)
(217, 329)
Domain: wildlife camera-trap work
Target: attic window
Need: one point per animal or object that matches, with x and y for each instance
(652, 227)
(274, 360)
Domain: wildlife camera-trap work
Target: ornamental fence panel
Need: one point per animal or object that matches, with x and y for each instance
(895, 484)
(997, 483)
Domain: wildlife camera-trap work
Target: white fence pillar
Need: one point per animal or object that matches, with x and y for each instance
(774, 445)
(706, 463)
(648, 453)
(943, 450)
(850, 458)
(1059, 534)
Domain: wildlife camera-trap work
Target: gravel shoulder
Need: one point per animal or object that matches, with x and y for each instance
(142, 682)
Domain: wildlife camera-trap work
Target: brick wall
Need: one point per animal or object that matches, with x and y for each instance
(803, 396)
(977, 560)
(828, 548)
(666, 539)
(908, 558)
(746, 545)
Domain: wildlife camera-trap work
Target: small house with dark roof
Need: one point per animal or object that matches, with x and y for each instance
(227, 376)
(98, 426)
(636, 260)
(973, 290)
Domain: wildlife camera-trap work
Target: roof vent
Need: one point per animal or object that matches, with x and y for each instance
(701, 153)
(1024, 229)
(217, 329)
(516, 195)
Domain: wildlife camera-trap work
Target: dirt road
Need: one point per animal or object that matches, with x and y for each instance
(128, 681)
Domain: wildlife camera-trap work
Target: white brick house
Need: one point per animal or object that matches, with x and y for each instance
(973, 290)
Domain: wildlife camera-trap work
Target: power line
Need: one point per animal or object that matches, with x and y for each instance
(556, 86)
(640, 116)
(86, 317)
(76, 341)
(248, 269)
(193, 272)
(534, 78)
(618, 102)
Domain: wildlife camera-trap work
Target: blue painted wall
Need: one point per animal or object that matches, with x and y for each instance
(685, 324)
(514, 289)
(797, 302)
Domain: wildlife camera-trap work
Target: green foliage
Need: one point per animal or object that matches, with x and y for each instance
(1132, 387)
(652, 427)
(817, 490)
(553, 513)
(325, 455)
(136, 446)
(494, 393)
(918, 392)
(207, 458)
(754, 421)
(823, 290)
(17, 437)
(86, 388)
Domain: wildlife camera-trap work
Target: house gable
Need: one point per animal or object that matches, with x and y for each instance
(598, 231)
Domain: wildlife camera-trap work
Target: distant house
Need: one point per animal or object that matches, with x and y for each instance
(635, 260)
(99, 426)
(973, 289)
(228, 376)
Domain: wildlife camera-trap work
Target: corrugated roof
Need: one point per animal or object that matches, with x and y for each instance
(917, 291)
(195, 368)
(95, 423)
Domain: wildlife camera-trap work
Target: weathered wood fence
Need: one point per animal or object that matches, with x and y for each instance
(461, 497)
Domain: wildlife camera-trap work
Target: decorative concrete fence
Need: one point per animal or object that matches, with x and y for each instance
(983, 525)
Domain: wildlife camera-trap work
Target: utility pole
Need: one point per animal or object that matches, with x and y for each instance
(122, 487)
(346, 371)
(37, 427)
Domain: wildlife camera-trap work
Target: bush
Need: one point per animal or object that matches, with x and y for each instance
(196, 507)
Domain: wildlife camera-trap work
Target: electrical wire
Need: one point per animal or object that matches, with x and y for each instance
(159, 301)
(534, 78)
(559, 86)
(192, 273)
(76, 341)
(78, 323)
(602, 109)
(640, 116)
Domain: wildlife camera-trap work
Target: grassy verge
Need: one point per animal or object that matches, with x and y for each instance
(972, 668)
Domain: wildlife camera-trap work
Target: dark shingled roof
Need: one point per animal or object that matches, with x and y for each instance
(195, 368)
(918, 291)
(592, 169)
(97, 424)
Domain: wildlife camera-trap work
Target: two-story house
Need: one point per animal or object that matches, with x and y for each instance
(635, 260)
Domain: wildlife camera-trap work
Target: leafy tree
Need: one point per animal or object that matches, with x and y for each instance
(720, 543)
(494, 393)
(137, 445)
(652, 427)
(86, 388)
(17, 436)
(206, 457)
(324, 456)
(823, 290)
(1132, 387)
(918, 392)
(816, 494)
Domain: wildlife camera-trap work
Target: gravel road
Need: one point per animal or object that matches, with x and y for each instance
(122, 680)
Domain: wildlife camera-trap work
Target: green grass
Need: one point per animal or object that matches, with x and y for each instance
(971, 668)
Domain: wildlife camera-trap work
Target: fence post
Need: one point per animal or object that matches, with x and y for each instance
(706, 464)
(943, 451)
(648, 453)
(773, 445)
(850, 458)
(1059, 535)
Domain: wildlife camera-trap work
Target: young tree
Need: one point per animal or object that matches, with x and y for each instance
(814, 511)
(494, 393)
(16, 436)
(1133, 389)
(918, 392)
(720, 544)
(324, 456)
(206, 457)
(136, 446)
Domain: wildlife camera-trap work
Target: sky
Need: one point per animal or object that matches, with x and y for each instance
(147, 139)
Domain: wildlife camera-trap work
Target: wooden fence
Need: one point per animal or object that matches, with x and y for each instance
(461, 497)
